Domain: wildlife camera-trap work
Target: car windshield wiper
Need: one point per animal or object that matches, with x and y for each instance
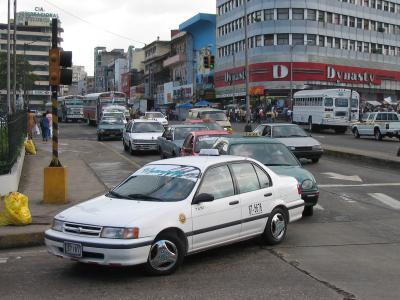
(113, 194)
(143, 197)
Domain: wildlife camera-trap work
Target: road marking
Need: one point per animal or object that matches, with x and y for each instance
(132, 162)
(3, 260)
(346, 198)
(358, 185)
(319, 207)
(343, 177)
(385, 199)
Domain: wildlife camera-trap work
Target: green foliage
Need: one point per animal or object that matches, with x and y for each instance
(23, 68)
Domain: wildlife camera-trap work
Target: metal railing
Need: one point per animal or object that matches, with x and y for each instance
(13, 129)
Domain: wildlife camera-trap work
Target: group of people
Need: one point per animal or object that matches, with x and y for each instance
(42, 125)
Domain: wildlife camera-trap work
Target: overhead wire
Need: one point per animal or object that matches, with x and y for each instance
(92, 24)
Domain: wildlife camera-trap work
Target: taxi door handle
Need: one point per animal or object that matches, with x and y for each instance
(268, 195)
(234, 202)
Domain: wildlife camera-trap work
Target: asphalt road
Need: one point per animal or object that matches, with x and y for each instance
(349, 249)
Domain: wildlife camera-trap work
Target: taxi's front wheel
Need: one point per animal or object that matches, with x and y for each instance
(275, 230)
(165, 256)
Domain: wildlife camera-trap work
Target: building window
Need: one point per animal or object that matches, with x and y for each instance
(311, 39)
(336, 43)
(259, 41)
(268, 14)
(359, 46)
(366, 24)
(283, 13)
(352, 22)
(283, 39)
(352, 45)
(268, 40)
(321, 16)
(345, 20)
(329, 42)
(329, 18)
(359, 23)
(345, 44)
(297, 39)
(311, 14)
(298, 14)
(321, 41)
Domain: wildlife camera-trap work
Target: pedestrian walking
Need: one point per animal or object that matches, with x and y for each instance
(32, 123)
(45, 127)
(49, 117)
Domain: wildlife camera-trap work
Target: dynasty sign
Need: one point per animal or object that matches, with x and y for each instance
(361, 77)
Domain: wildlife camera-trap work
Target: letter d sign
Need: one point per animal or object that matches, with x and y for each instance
(280, 71)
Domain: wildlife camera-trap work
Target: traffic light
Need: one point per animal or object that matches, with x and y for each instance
(206, 62)
(59, 62)
(212, 62)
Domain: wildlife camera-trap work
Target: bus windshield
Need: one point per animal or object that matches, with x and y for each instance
(329, 102)
(342, 102)
(354, 103)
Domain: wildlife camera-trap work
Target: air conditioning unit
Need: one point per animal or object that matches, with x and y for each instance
(381, 29)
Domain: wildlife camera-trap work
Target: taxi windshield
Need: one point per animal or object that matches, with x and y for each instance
(162, 183)
(182, 132)
(288, 131)
(268, 154)
(154, 115)
(111, 121)
(147, 127)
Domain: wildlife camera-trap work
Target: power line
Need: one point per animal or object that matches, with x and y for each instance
(94, 25)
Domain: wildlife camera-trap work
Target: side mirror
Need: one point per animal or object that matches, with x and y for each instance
(203, 198)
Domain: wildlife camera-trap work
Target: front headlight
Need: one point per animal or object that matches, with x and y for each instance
(57, 225)
(317, 147)
(120, 233)
(292, 148)
(307, 184)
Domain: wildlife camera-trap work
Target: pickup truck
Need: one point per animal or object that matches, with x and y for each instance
(379, 125)
(170, 143)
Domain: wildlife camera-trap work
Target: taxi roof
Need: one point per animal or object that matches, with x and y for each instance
(196, 125)
(249, 140)
(201, 162)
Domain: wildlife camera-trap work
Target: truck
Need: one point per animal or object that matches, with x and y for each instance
(70, 108)
(378, 125)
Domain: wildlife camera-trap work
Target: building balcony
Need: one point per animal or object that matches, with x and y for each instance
(173, 60)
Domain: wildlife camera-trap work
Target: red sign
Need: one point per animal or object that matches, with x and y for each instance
(304, 71)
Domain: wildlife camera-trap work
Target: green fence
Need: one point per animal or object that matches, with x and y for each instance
(12, 136)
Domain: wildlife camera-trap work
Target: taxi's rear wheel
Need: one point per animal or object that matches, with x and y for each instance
(275, 230)
(356, 133)
(165, 256)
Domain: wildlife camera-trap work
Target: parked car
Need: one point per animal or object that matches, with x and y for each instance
(378, 125)
(110, 127)
(172, 208)
(170, 143)
(141, 135)
(156, 116)
(276, 156)
(295, 138)
(198, 140)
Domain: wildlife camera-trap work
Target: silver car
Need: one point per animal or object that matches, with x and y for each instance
(294, 137)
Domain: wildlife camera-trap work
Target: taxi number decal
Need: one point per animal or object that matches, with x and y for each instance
(255, 209)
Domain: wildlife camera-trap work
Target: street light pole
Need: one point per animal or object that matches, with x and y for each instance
(14, 105)
(8, 61)
(246, 54)
(291, 75)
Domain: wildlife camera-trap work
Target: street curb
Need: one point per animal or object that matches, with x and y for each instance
(392, 164)
(21, 240)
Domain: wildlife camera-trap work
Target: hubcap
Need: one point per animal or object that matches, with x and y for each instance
(278, 226)
(163, 255)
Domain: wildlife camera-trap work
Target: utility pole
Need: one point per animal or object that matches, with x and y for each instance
(14, 106)
(9, 61)
(246, 54)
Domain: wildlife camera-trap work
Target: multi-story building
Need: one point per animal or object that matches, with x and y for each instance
(79, 78)
(135, 58)
(295, 45)
(103, 67)
(155, 75)
(33, 44)
(90, 85)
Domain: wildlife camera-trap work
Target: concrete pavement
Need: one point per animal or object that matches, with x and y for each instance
(95, 167)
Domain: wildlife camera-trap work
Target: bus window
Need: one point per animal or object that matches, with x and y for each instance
(354, 103)
(341, 102)
(329, 102)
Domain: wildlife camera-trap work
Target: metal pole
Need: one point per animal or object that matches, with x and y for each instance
(54, 95)
(14, 104)
(233, 80)
(291, 75)
(8, 61)
(246, 54)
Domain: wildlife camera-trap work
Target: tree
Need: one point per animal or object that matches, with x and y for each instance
(25, 77)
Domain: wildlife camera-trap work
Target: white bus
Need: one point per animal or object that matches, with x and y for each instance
(326, 109)
(95, 103)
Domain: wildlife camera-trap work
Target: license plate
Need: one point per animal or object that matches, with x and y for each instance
(73, 249)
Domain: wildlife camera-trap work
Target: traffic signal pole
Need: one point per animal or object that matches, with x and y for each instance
(55, 176)
(55, 162)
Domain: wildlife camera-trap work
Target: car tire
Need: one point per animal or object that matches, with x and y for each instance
(99, 138)
(315, 160)
(131, 151)
(173, 154)
(162, 155)
(273, 233)
(377, 134)
(356, 133)
(310, 127)
(126, 148)
(308, 211)
(165, 256)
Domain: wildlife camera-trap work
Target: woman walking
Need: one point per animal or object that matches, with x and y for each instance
(44, 126)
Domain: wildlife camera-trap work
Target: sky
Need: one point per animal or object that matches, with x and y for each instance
(114, 24)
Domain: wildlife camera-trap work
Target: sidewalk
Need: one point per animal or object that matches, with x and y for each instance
(83, 184)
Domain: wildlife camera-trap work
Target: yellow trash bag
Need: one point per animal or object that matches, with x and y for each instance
(16, 210)
(30, 147)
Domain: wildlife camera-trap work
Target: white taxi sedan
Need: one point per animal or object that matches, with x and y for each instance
(171, 208)
(156, 116)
